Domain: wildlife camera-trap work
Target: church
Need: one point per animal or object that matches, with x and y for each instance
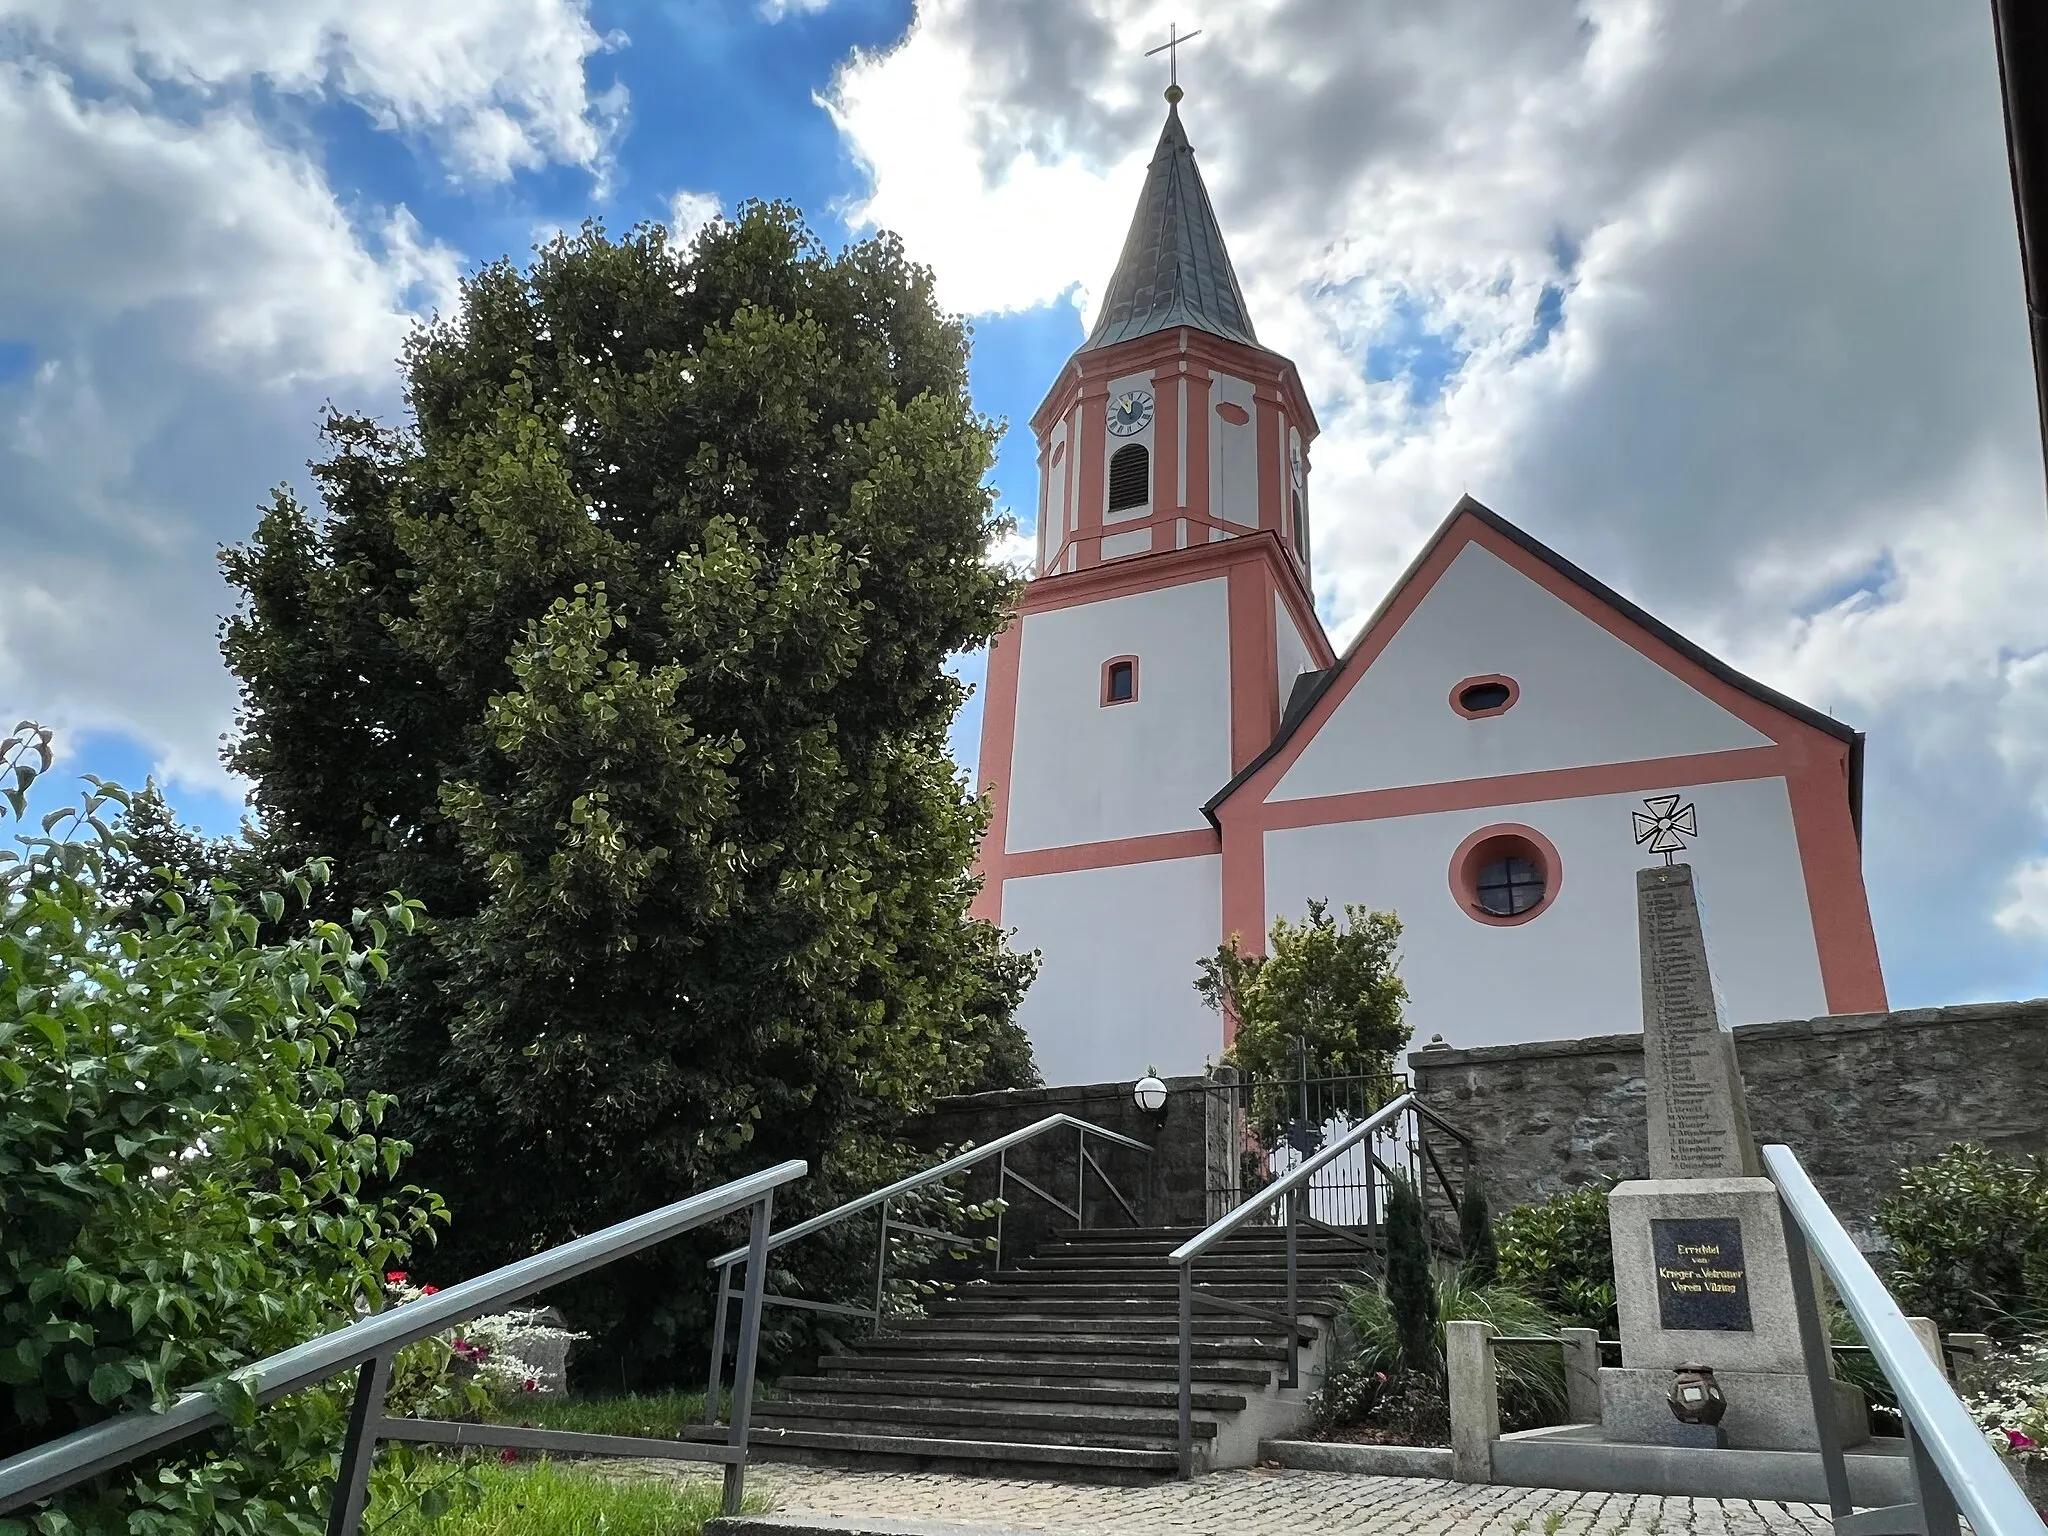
(1175, 754)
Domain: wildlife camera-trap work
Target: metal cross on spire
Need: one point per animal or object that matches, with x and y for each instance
(1174, 38)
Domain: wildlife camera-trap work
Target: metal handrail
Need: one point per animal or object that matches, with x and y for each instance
(1289, 1189)
(931, 1175)
(370, 1343)
(880, 1198)
(1953, 1465)
(1288, 1182)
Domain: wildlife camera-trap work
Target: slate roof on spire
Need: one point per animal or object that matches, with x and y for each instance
(1174, 270)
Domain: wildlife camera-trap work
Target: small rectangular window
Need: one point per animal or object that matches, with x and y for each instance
(1120, 682)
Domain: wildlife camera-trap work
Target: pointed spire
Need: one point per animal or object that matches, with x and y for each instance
(1174, 270)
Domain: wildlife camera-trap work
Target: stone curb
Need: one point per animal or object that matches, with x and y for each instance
(1360, 1460)
(849, 1525)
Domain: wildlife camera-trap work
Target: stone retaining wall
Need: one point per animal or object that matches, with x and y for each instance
(1177, 1171)
(1855, 1095)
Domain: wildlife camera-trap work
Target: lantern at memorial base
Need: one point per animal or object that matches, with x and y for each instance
(1696, 1398)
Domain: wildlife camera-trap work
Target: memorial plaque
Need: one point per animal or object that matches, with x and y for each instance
(1702, 1282)
(1699, 1126)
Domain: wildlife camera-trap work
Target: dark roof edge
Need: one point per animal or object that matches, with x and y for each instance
(1329, 675)
(1806, 714)
(1820, 720)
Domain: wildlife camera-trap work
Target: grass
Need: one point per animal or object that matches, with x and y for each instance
(655, 1415)
(548, 1498)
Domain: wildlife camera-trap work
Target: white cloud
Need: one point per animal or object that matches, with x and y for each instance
(1785, 403)
(1016, 552)
(191, 288)
(498, 87)
(689, 212)
(2025, 912)
(781, 10)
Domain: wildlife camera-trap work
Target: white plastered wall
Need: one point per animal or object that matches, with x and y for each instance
(1084, 772)
(1292, 650)
(1116, 991)
(1572, 969)
(1586, 697)
(1233, 454)
(1053, 498)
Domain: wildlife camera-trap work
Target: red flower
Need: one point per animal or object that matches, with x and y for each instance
(430, 1290)
(2018, 1441)
(532, 1385)
(394, 1277)
(508, 1455)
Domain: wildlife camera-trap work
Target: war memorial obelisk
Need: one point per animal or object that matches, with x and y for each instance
(1700, 1268)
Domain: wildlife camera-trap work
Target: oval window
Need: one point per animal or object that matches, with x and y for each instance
(1477, 697)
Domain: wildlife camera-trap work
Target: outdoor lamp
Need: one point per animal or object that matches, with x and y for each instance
(1149, 1094)
(1696, 1398)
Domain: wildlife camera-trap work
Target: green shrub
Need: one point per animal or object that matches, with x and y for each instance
(1475, 1237)
(1969, 1236)
(181, 1177)
(1370, 1360)
(1411, 1287)
(1559, 1252)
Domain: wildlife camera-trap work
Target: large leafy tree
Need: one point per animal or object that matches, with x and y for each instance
(626, 657)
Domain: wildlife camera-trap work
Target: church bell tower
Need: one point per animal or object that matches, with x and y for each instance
(1167, 617)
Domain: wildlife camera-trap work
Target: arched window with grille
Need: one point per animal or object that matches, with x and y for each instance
(1130, 477)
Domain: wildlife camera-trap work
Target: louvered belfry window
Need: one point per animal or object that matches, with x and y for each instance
(1130, 477)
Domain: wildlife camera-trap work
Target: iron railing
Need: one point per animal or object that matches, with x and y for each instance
(1953, 1467)
(881, 1199)
(369, 1345)
(1275, 1123)
(1404, 1122)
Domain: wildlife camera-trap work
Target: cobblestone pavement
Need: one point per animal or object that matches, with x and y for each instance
(1270, 1503)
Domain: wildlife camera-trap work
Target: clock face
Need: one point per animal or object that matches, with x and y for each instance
(1130, 412)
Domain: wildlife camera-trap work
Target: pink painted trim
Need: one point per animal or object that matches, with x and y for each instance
(1522, 788)
(1458, 691)
(1198, 349)
(1111, 853)
(1197, 492)
(1515, 839)
(998, 753)
(1233, 413)
(1254, 708)
(1110, 665)
(1844, 938)
(1244, 897)
(1166, 488)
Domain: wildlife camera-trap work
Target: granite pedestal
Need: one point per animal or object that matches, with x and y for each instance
(1701, 1272)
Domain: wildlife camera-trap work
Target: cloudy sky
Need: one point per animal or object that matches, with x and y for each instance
(1720, 299)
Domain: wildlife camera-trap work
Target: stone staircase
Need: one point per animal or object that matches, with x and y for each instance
(1067, 1365)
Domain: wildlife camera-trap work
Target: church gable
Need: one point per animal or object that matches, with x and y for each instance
(1545, 684)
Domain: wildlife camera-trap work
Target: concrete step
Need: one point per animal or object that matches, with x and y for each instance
(1049, 1288)
(921, 1453)
(1176, 1235)
(995, 1344)
(1040, 1368)
(1260, 1248)
(929, 1391)
(1099, 1318)
(1037, 1427)
(1265, 1277)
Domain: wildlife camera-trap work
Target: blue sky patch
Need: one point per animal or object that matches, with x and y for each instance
(1408, 347)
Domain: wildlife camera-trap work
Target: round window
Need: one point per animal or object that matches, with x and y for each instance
(1505, 875)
